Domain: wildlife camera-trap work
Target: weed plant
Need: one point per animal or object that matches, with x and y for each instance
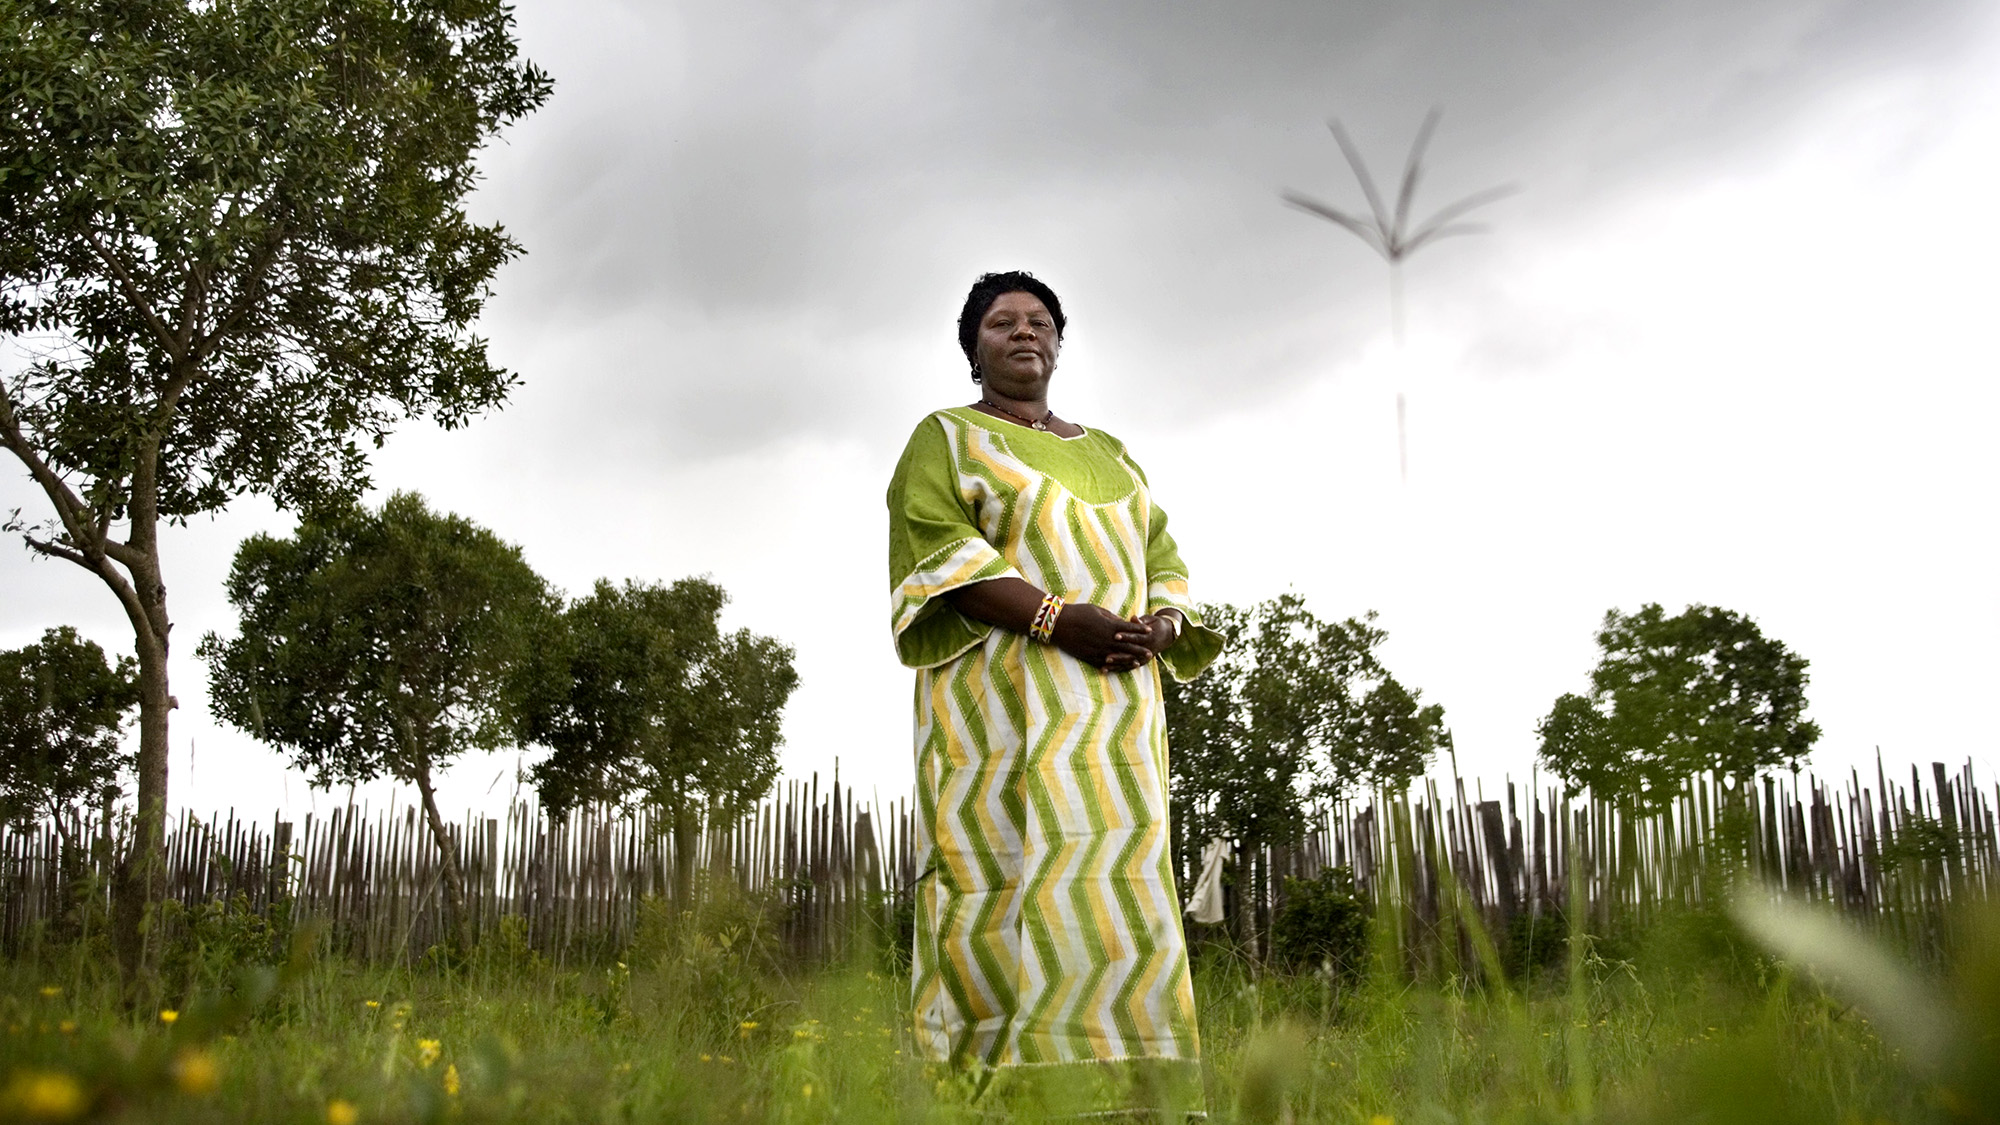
(706, 1017)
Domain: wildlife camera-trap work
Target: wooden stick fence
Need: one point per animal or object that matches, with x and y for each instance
(828, 864)
(1894, 856)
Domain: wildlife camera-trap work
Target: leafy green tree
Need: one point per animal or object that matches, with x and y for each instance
(1295, 711)
(233, 233)
(645, 700)
(378, 643)
(1387, 740)
(1671, 697)
(63, 709)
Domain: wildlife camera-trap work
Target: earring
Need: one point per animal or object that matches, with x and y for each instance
(977, 375)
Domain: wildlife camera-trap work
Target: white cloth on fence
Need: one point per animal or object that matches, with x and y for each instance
(1205, 901)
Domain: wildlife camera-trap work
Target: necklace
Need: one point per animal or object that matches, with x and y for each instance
(1041, 423)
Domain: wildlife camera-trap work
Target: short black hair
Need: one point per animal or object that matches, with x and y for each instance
(991, 287)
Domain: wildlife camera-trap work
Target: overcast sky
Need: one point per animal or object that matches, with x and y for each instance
(1731, 343)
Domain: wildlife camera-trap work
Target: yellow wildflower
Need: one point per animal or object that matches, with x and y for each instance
(451, 1080)
(340, 1111)
(195, 1072)
(708, 1058)
(67, 1027)
(374, 1003)
(808, 1091)
(168, 1015)
(428, 1051)
(51, 991)
(1381, 1119)
(50, 1095)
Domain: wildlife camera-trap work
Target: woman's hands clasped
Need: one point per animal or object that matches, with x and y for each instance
(1104, 640)
(1092, 634)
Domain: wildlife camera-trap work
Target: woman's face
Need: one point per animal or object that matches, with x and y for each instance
(1017, 346)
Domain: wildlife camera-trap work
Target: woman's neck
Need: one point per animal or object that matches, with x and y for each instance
(1031, 413)
(1026, 409)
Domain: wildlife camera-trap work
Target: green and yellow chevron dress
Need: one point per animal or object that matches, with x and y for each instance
(1047, 919)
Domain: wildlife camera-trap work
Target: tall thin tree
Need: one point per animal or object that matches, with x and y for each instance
(234, 243)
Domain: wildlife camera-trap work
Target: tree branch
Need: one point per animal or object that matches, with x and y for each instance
(121, 552)
(97, 563)
(246, 299)
(132, 294)
(70, 508)
(193, 299)
(57, 551)
(97, 554)
(55, 817)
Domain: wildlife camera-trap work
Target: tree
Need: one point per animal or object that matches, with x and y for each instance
(63, 709)
(1390, 738)
(232, 234)
(644, 699)
(1672, 697)
(380, 643)
(1295, 711)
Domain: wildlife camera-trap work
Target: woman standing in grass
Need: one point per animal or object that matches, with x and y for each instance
(1036, 591)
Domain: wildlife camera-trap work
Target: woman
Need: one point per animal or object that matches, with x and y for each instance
(1036, 590)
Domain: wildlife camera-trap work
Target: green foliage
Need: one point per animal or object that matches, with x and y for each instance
(1532, 945)
(1673, 697)
(242, 224)
(1295, 710)
(214, 941)
(376, 642)
(62, 710)
(643, 698)
(893, 932)
(1921, 841)
(1323, 926)
(711, 969)
(380, 643)
(1949, 1035)
(534, 1042)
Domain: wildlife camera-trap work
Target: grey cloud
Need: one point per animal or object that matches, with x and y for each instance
(740, 201)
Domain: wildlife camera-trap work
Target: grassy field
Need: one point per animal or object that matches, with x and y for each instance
(705, 1021)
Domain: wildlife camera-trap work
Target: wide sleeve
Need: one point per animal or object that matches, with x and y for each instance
(934, 547)
(1167, 588)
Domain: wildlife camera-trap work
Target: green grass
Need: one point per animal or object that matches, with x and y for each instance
(709, 1022)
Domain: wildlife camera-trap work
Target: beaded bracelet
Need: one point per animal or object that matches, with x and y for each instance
(1043, 627)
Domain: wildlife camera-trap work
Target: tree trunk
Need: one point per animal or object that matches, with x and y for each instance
(142, 870)
(1239, 929)
(687, 829)
(84, 540)
(453, 879)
